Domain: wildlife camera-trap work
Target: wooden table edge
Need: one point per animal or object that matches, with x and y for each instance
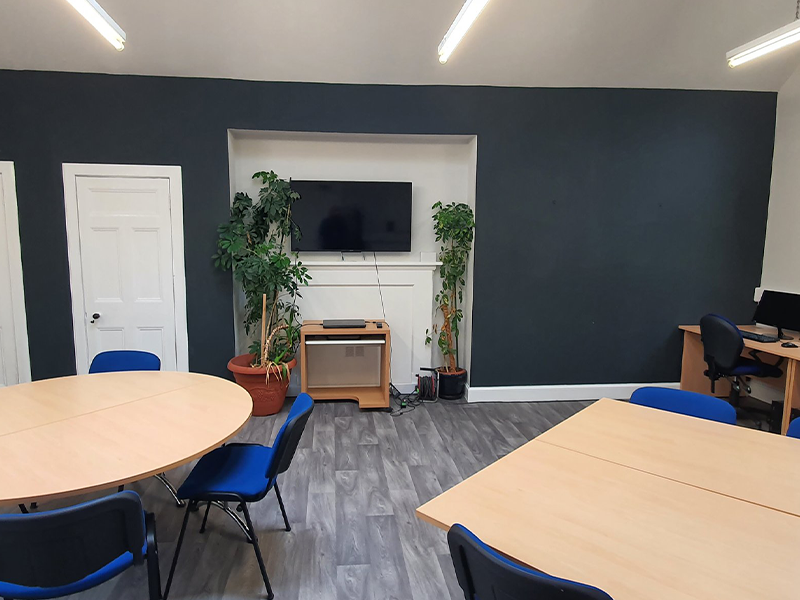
(113, 406)
(541, 436)
(132, 479)
(138, 477)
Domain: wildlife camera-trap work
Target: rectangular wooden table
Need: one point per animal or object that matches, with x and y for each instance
(635, 534)
(742, 463)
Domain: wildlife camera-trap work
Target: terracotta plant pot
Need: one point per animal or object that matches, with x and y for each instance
(452, 385)
(268, 398)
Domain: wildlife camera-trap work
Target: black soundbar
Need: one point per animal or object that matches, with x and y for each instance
(343, 324)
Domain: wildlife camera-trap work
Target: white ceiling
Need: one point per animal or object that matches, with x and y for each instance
(538, 43)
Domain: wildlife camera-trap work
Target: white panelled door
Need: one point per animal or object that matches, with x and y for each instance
(14, 358)
(128, 260)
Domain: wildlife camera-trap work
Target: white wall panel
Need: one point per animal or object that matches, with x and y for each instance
(441, 168)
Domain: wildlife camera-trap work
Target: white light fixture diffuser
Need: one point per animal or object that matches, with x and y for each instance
(99, 19)
(780, 38)
(466, 17)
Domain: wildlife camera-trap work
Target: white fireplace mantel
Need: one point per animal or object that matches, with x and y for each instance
(347, 289)
(363, 264)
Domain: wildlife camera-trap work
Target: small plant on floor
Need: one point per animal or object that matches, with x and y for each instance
(454, 226)
(253, 244)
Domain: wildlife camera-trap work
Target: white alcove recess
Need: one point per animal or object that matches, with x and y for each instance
(441, 168)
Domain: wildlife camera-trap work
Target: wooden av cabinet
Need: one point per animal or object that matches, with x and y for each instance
(369, 394)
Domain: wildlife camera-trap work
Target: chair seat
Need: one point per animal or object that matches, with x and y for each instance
(753, 368)
(239, 469)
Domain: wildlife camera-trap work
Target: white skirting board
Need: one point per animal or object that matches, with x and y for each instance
(550, 393)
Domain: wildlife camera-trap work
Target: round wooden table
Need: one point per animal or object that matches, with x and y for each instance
(66, 436)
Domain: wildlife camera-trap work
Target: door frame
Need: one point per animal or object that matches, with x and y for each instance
(71, 172)
(9, 183)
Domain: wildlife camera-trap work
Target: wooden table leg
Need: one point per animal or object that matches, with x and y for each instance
(303, 363)
(693, 366)
(791, 398)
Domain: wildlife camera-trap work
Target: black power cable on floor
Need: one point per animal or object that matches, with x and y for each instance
(424, 393)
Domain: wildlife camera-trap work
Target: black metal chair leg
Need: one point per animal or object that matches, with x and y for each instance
(162, 477)
(23, 509)
(205, 517)
(256, 547)
(120, 488)
(178, 548)
(223, 506)
(283, 508)
(153, 569)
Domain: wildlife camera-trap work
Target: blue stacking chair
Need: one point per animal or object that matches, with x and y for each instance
(685, 403)
(484, 574)
(61, 552)
(116, 361)
(243, 473)
(794, 429)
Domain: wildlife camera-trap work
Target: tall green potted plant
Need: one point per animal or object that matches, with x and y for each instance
(253, 245)
(454, 226)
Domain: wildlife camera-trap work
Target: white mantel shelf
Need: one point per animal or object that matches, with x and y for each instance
(358, 264)
(400, 292)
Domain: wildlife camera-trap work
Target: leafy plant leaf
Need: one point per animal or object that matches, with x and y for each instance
(254, 245)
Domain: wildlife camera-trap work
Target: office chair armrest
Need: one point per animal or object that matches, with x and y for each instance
(150, 531)
(757, 358)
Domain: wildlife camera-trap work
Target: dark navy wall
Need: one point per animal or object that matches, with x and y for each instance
(605, 217)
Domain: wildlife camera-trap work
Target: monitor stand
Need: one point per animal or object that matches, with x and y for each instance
(783, 336)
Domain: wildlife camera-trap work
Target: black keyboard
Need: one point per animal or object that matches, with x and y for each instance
(759, 337)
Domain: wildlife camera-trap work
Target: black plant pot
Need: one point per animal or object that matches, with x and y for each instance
(451, 385)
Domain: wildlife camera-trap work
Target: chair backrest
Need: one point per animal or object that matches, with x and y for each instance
(685, 403)
(722, 342)
(794, 429)
(60, 547)
(487, 575)
(113, 361)
(289, 435)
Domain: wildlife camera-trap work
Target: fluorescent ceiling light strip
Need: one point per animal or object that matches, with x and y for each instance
(99, 19)
(466, 17)
(780, 38)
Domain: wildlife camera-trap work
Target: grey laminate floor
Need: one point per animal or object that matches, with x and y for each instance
(350, 493)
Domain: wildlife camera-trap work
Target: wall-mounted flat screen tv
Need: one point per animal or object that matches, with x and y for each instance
(352, 216)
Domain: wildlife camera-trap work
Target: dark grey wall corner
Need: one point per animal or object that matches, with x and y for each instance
(606, 217)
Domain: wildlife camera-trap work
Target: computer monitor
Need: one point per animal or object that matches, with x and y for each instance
(779, 309)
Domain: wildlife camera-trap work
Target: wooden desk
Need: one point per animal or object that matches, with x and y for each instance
(70, 435)
(693, 366)
(750, 465)
(370, 396)
(635, 535)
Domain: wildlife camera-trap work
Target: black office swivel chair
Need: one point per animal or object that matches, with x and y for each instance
(722, 348)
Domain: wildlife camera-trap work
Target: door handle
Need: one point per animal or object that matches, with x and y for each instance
(95, 316)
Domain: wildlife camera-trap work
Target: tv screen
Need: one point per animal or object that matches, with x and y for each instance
(372, 216)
